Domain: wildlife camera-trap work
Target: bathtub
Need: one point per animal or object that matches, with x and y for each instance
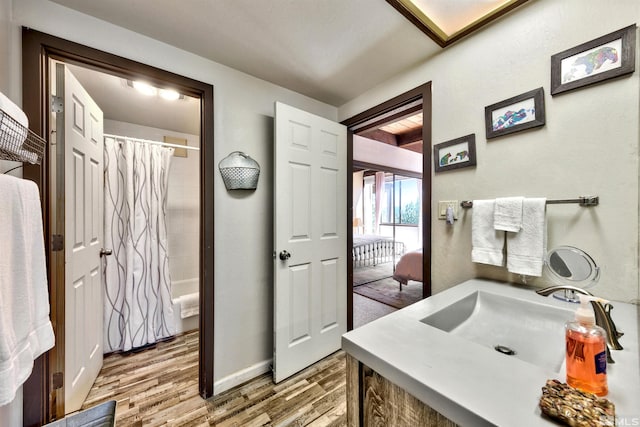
(183, 288)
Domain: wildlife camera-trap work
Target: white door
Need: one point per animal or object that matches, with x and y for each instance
(310, 226)
(83, 192)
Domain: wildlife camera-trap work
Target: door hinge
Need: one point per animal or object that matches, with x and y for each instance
(57, 380)
(57, 105)
(57, 242)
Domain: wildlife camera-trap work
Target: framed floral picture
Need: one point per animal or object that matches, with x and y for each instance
(606, 57)
(521, 112)
(455, 154)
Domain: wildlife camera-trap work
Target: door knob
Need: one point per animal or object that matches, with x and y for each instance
(284, 255)
(105, 252)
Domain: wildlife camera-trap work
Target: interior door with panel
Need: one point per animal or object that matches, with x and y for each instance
(80, 130)
(310, 193)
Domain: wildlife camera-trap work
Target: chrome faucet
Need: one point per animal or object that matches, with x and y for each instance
(602, 312)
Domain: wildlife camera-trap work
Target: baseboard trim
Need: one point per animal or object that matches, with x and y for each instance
(241, 376)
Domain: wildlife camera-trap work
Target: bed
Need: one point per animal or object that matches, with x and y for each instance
(370, 249)
(409, 268)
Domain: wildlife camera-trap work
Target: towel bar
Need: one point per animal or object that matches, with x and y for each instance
(584, 201)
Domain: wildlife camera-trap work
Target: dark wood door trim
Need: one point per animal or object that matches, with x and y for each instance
(41, 403)
(422, 92)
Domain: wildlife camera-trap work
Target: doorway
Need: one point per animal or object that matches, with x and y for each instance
(401, 106)
(38, 49)
(147, 269)
(387, 235)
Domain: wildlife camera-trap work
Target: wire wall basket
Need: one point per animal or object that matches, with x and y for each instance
(17, 143)
(239, 171)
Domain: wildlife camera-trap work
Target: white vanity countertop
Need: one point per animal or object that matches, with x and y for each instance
(472, 384)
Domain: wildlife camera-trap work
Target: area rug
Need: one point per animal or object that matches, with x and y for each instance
(362, 275)
(387, 291)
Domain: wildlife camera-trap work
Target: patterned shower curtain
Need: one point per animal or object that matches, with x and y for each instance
(138, 308)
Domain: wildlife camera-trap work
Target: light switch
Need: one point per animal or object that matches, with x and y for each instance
(444, 204)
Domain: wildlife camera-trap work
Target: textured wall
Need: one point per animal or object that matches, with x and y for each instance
(589, 144)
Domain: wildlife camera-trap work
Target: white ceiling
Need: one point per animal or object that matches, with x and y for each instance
(330, 50)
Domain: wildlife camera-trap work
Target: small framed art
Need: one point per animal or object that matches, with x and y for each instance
(455, 154)
(606, 57)
(521, 112)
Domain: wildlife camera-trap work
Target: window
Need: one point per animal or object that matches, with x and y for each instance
(401, 203)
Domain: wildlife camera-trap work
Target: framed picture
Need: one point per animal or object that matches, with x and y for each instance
(521, 112)
(601, 59)
(455, 154)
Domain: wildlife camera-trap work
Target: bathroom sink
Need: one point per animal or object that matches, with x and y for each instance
(441, 351)
(530, 331)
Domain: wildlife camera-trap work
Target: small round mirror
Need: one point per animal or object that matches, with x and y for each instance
(572, 266)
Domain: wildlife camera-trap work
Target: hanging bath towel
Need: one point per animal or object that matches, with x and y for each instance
(25, 328)
(527, 248)
(487, 242)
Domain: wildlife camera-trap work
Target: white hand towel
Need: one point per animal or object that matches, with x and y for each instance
(487, 242)
(508, 214)
(526, 249)
(25, 328)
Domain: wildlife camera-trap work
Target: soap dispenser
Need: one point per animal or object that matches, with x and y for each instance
(586, 350)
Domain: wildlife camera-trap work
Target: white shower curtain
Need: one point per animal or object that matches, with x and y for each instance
(138, 308)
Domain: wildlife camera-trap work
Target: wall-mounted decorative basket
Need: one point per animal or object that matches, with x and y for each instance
(239, 171)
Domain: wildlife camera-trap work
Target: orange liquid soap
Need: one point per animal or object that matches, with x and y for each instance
(586, 358)
(586, 350)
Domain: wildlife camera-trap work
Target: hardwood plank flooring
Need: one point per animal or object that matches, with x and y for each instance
(159, 387)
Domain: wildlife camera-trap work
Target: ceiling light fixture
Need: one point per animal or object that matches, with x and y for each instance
(149, 90)
(454, 17)
(169, 94)
(145, 88)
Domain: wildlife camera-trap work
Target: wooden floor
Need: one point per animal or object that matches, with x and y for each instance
(159, 387)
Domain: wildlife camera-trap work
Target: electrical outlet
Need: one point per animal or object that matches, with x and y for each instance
(444, 204)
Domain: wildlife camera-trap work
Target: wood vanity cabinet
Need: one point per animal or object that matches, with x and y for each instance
(372, 400)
